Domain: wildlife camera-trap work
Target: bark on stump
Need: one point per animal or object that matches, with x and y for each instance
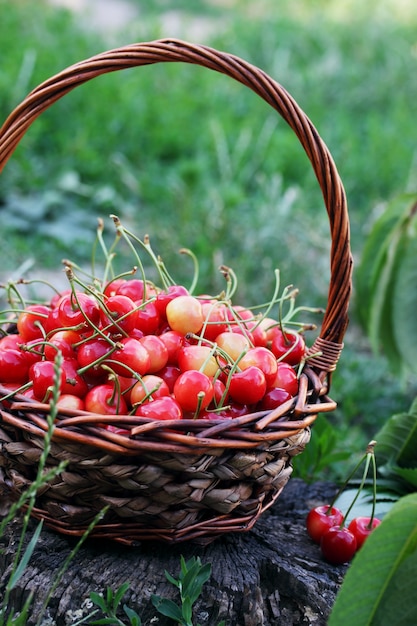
(271, 575)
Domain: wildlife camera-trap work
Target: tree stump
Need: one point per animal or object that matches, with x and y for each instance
(273, 574)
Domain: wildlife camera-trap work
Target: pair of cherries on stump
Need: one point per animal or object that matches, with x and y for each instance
(326, 524)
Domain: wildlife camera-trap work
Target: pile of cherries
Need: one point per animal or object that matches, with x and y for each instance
(132, 348)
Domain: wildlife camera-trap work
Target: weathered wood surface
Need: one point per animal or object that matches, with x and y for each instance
(271, 575)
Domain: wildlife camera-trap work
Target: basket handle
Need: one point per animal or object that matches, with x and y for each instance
(335, 320)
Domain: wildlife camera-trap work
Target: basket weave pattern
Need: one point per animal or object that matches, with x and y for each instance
(186, 479)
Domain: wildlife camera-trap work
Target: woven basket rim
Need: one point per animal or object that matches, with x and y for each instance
(185, 436)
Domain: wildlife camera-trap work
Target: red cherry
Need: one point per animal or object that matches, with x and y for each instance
(233, 344)
(273, 398)
(73, 383)
(69, 401)
(90, 352)
(247, 386)
(338, 545)
(150, 387)
(289, 346)
(148, 319)
(362, 527)
(158, 352)
(173, 341)
(10, 342)
(197, 358)
(219, 393)
(78, 309)
(104, 400)
(32, 321)
(33, 350)
(62, 340)
(165, 408)
(133, 289)
(262, 358)
(132, 356)
(231, 411)
(14, 366)
(170, 374)
(286, 378)
(320, 519)
(164, 297)
(215, 320)
(185, 314)
(53, 322)
(57, 297)
(42, 375)
(238, 313)
(112, 287)
(125, 385)
(122, 311)
(193, 390)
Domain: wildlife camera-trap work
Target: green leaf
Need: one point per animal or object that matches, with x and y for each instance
(195, 577)
(381, 322)
(398, 605)
(397, 440)
(22, 618)
(371, 574)
(16, 575)
(321, 452)
(119, 594)
(134, 618)
(171, 579)
(407, 474)
(194, 585)
(167, 607)
(107, 621)
(375, 252)
(187, 611)
(404, 298)
(98, 600)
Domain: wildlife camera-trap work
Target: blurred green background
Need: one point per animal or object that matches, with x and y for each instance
(196, 160)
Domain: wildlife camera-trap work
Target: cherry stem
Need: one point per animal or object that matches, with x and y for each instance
(108, 254)
(73, 280)
(231, 281)
(131, 272)
(208, 358)
(196, 273)
(368, 456)
(369, 452)
(373, 491)
(100, 360)
(200, 398)
(126, 236)
(274, 298)
(16, 391)
(37, 281)
(148, 393)
(116, 394)
(288, 293)
(12, 289)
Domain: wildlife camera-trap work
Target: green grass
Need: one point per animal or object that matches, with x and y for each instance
(198, 161)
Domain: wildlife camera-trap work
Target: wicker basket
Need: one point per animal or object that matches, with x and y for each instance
(197, 479)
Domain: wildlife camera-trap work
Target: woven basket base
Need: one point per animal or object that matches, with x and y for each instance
(169, 497)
